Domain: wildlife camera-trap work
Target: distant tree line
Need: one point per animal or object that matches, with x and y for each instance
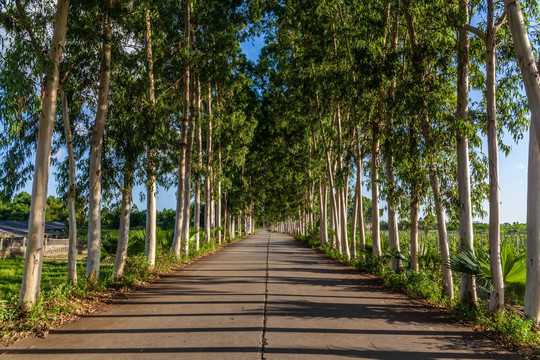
(19, 209)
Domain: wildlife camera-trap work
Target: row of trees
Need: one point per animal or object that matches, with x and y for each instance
(161, 95)
(157, 94)
(388, 81)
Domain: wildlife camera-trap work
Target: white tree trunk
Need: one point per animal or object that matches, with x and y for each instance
(468, 284)
(94, 198)
(187, 198)
(180, 201)
(414, 234)
(123, 233)
(331, 223)
(151, 208)
(448, 283)
(72, 248)
(496, 301)
(375, 227)
(218, 207)
(209, 175)
(525, 57)
(197, 209)
(36, 225)
(393, 232)
(531, 82)
(239, 221)
(225, 219)
(232, 227)
(360, 208)
(532, 289)
(344, 230)
(151, 217)
(354, 220)
(323, 203)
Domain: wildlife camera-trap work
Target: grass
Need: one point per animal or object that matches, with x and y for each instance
(59, 301)
(510, 328)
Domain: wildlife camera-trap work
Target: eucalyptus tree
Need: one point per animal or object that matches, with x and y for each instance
(95, 172)
(47, 63)
(433, 107)
(72, 251)
(505, 111)
(150, 26)
(489, 39)
(181, 195)
(531, 83)
(125, 127)
(393, 232)
(78, 80)
(151, 184)
(468, 283)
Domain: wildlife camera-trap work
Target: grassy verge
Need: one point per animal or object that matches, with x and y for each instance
(509, 329)
(60, 302)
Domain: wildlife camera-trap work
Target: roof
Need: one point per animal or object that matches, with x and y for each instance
(12, 228)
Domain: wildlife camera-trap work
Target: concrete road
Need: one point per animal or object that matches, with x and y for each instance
(263, 297)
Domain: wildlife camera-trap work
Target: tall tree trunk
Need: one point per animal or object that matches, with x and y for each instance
(432, 172)
(532, 288)
(232, 227)
(357, 203)
(151, 208)
(393, 232)
(529, 72)
(414, 190)
(180, 203)
(218, 207)
(94, 198)
(448, 284)
(123, 233)
(34, 251)
(496, 301)
(151, 212)
(414, 233)
(187, 198)
(241, 222)
(468, 283)
(323, 225)
(331, 223)
(527, 63)
(225, 218)
(334, 224)
(72, 248)
(344, 207)
(209, 176)
(360, 209)
(375, 227)
(197, 209)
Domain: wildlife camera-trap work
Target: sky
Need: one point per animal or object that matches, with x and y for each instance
(512, 171)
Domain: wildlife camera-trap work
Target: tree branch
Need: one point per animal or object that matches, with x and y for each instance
(501, 20)
(475, 31)
(26, 24)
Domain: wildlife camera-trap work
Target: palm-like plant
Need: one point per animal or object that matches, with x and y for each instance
(477, 264)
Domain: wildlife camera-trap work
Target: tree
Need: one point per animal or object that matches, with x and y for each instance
(34, 253)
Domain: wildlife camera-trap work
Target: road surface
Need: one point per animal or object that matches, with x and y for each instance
(265, 297)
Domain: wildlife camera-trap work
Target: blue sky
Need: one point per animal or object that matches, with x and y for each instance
(513, 170)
